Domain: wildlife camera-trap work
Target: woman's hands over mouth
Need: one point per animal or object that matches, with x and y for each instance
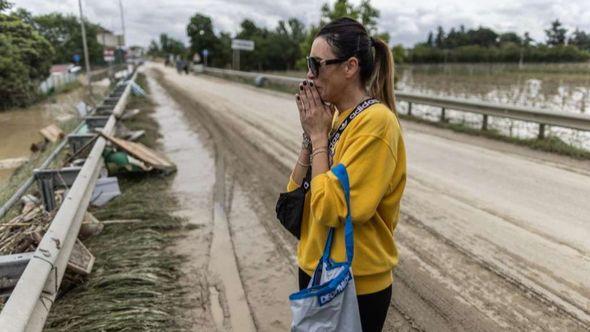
(315, 116)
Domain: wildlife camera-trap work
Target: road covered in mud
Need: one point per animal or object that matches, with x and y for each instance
(491, 236)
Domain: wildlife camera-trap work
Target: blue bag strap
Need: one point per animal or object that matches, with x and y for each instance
(342, 175)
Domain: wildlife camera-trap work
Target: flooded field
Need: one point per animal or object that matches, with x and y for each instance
(19, 127)
(556, 87)
(560, 88)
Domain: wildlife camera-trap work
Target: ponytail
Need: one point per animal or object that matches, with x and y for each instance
(381, 86)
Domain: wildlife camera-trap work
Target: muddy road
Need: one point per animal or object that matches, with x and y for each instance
(491, 236)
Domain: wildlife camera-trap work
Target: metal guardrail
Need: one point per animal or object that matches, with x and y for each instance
(29, 182)
(32, 298)
(529, 114)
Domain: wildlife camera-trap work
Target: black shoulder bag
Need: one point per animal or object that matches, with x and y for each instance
(290, 204)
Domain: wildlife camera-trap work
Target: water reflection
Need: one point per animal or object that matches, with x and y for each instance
(561, 88)
(19, 127)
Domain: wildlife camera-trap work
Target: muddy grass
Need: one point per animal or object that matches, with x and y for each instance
(134, 284)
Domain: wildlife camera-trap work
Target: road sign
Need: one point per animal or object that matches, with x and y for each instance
(242, 44)
(108, 55)
(205, 53)
(76, 58)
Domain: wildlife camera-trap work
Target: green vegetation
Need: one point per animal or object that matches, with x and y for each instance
(134, 283)
(65, 35)
(29, 45)
(281, 48)
(285, 47)
(485, 45)
(166, 46)
(25, 59)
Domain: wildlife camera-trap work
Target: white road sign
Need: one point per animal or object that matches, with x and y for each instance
(242, 44)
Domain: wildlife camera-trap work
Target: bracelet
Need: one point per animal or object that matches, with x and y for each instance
(302, 164)
(317, 152)
(319, 147)
(306, 143)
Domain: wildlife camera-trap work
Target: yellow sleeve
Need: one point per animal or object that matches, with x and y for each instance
(370, 162)
(292, 185)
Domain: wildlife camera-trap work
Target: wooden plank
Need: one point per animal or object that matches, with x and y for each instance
(81, 260)
(129, 114)
(52, 133)
(142, 152)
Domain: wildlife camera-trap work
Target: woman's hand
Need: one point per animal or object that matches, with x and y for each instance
(315, 116)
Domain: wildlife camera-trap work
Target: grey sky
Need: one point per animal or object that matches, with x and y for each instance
(407, 21)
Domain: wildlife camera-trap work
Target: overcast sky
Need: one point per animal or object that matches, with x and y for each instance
(407, 21)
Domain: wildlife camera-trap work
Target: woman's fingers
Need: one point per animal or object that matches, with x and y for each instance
(315, 95)
(299, 104)
(303, 97)
(308, 94)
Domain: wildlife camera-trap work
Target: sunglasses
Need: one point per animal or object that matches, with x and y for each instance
(314, 64)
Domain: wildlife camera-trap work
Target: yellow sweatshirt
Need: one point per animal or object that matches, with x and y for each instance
(372, 149)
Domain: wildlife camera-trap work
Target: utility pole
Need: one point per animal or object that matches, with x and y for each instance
(122, 21)
(86, 59)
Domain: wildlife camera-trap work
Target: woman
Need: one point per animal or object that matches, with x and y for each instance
(346, 67)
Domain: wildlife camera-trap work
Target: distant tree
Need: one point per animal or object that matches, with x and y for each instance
(289, 35)
(202, 37)
(224, 51)
(364, 13)
(527, 40)
(399, 54)
(25, 59)
(4, 5)
(64, 33)
(430, 40)
(169, 45)
(25, 16)
(452, 39)
(154, 49)
(510, 37)
(556, 34)
(440, 37)
(383, 36)
(483, 37)
(580, 39)
(341, 8)
(368, 16)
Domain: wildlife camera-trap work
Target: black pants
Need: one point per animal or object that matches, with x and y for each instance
(372, 307)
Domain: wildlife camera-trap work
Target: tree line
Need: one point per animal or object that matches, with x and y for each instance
(486, 45)
(281, 48)
(285, 46)
(30, 44)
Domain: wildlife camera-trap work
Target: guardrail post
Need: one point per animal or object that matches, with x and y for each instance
(484, 123)
(49, 179)
(443, 117)
(410, 108)
(95, 122)
(541, 131)
(45, 183)
(78, 141)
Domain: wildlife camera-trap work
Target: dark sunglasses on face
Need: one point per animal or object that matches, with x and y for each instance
(314, 64)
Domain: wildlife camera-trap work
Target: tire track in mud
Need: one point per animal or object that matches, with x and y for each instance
(427, 296)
